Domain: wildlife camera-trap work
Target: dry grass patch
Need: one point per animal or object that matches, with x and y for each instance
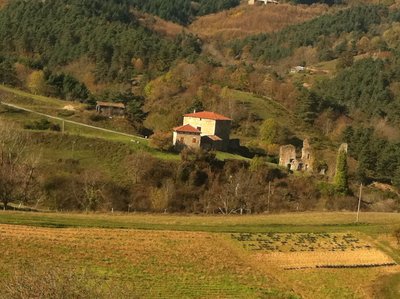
(346, 259)
(3, 3)
(248, 20)
(157, 24)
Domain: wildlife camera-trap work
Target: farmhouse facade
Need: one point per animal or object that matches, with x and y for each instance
(111, 109)
(288, 157)
(207, 130)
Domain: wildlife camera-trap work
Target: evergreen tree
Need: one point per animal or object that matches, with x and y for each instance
(197, 106)
(367, 158)
(361, 172)
(7, 72)
(307, 106)
(341, 176)
(135, 111)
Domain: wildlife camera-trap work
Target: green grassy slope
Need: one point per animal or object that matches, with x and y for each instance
(371, 223)
(54, 107)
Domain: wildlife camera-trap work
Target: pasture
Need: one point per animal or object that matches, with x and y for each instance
(147, 255)
(75, 122)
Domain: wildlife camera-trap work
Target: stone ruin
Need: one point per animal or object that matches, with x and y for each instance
(288, 157)
(344, 147)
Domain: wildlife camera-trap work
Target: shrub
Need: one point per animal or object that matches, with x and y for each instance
(66, 113)
(43, 125)
(161, 141)
(97, 117)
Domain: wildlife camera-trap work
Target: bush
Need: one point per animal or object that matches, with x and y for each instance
(161, 141)
(43, 125)
(66, 113)
(326, 189)
(97, 117)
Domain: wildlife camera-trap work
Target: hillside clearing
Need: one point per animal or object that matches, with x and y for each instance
(247, 20)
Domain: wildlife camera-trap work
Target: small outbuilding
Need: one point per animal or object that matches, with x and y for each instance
(111, 109)
(186, 136)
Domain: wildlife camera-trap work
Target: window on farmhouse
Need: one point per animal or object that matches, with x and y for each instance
(182, 139)
(194, 140)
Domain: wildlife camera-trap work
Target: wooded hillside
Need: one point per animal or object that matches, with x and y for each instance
(53, 33)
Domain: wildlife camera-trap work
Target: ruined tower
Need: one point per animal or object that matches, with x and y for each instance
(288, 157)
(307, 156)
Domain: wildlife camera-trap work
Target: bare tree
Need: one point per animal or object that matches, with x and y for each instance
(17, 166)
(239, 192)
(90, 192)
(224, 196)
(137, 165)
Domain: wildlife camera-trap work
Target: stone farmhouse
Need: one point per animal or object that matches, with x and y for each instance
(111, 109)
(206, 130)
(289, 158)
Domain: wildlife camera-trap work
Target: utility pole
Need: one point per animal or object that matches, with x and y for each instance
(359, 203)
(269, 195)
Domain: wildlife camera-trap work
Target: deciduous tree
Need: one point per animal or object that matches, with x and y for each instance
(37, 83)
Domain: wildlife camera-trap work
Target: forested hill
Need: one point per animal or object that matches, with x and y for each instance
(55, 32)
(320, 32)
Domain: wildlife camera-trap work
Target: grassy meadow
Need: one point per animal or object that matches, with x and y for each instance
(168, 256)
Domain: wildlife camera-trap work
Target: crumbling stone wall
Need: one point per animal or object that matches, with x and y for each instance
(288, 157)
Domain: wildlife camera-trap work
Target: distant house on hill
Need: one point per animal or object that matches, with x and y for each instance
(253, 2)
(208, 130)
(298, 69)
(111, 109)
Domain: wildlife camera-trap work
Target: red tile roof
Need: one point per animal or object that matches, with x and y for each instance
(207, 115)
(187, 129)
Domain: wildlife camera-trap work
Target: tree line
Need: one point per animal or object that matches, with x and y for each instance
(378, 158)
